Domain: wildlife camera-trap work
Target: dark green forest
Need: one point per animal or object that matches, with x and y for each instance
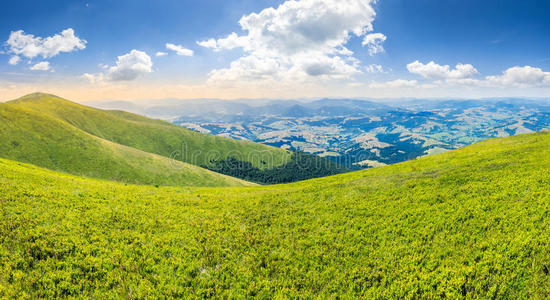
(302, 166)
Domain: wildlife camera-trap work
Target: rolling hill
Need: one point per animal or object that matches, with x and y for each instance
(33, 137)
(149, 135)
(469, 223)
(172, 141)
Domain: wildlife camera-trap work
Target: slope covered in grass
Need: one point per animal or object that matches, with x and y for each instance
(469, 223)
(29, 136)
(154, 136)
(267, 164)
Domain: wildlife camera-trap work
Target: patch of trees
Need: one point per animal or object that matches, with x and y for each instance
(302, 166)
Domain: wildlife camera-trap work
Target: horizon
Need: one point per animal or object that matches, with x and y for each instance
(392, 49)
(145, 102)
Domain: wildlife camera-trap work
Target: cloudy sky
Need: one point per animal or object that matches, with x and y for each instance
(137, 49)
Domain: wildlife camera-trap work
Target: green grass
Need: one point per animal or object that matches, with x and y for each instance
(471, 223)
(153, 136)
(30, 136)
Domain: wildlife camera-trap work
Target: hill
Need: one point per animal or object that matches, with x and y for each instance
(33, 137)
(165, 139)
(470, 223)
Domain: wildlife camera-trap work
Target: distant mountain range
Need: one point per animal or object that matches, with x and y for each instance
(355, 133)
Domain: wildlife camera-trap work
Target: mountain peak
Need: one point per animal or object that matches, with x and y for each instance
(40, 97)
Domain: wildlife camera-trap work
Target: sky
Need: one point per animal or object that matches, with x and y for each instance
(136, 49)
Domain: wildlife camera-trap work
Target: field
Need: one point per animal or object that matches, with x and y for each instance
(463, 224)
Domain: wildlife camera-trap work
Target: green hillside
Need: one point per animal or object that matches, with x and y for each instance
(153, 136)
(471, 223)
(29, 136)
(256, 162)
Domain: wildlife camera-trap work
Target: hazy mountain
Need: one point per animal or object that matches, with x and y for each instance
(361, 133)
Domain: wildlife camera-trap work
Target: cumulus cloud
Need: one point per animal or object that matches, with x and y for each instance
(29, 46)
(210, 43)
(14, 60)
(298, 40)
(465, 82)
(436, 71)
(160, 53)
(128, 67)
(179, 50)
(462, 75)
(526, 76)
(41, 66)
(232, 41)
(374, 68)
(374, 43)
(398, 83)
(94, 78)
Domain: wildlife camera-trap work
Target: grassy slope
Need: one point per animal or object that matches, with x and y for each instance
(153, 136)
(37, 138)
(468, 223)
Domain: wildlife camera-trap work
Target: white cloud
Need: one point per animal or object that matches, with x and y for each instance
(297, 41)
(232, 41)
(435, 71)
(462, 76)
(179, 50)
(210, 43)
(374, 42)
(161, 54)
(128, 67)
(14, 60)
(374, 68)
(398, 83)
(464, 82)
(41, 66)
(30, 46)
(249, 68)
(526, 76)
(94, 78)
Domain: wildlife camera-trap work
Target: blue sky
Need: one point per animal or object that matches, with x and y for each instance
(307, 48)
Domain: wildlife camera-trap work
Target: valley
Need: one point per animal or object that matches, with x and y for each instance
(357, 133)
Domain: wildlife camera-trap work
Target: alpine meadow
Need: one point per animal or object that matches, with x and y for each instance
(469, 223)
(275, 149)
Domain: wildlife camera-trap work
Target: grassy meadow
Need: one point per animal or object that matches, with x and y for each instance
(471, 223)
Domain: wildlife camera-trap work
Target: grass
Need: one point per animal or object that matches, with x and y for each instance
(471, 223)
(41, 139)
(153, 136)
